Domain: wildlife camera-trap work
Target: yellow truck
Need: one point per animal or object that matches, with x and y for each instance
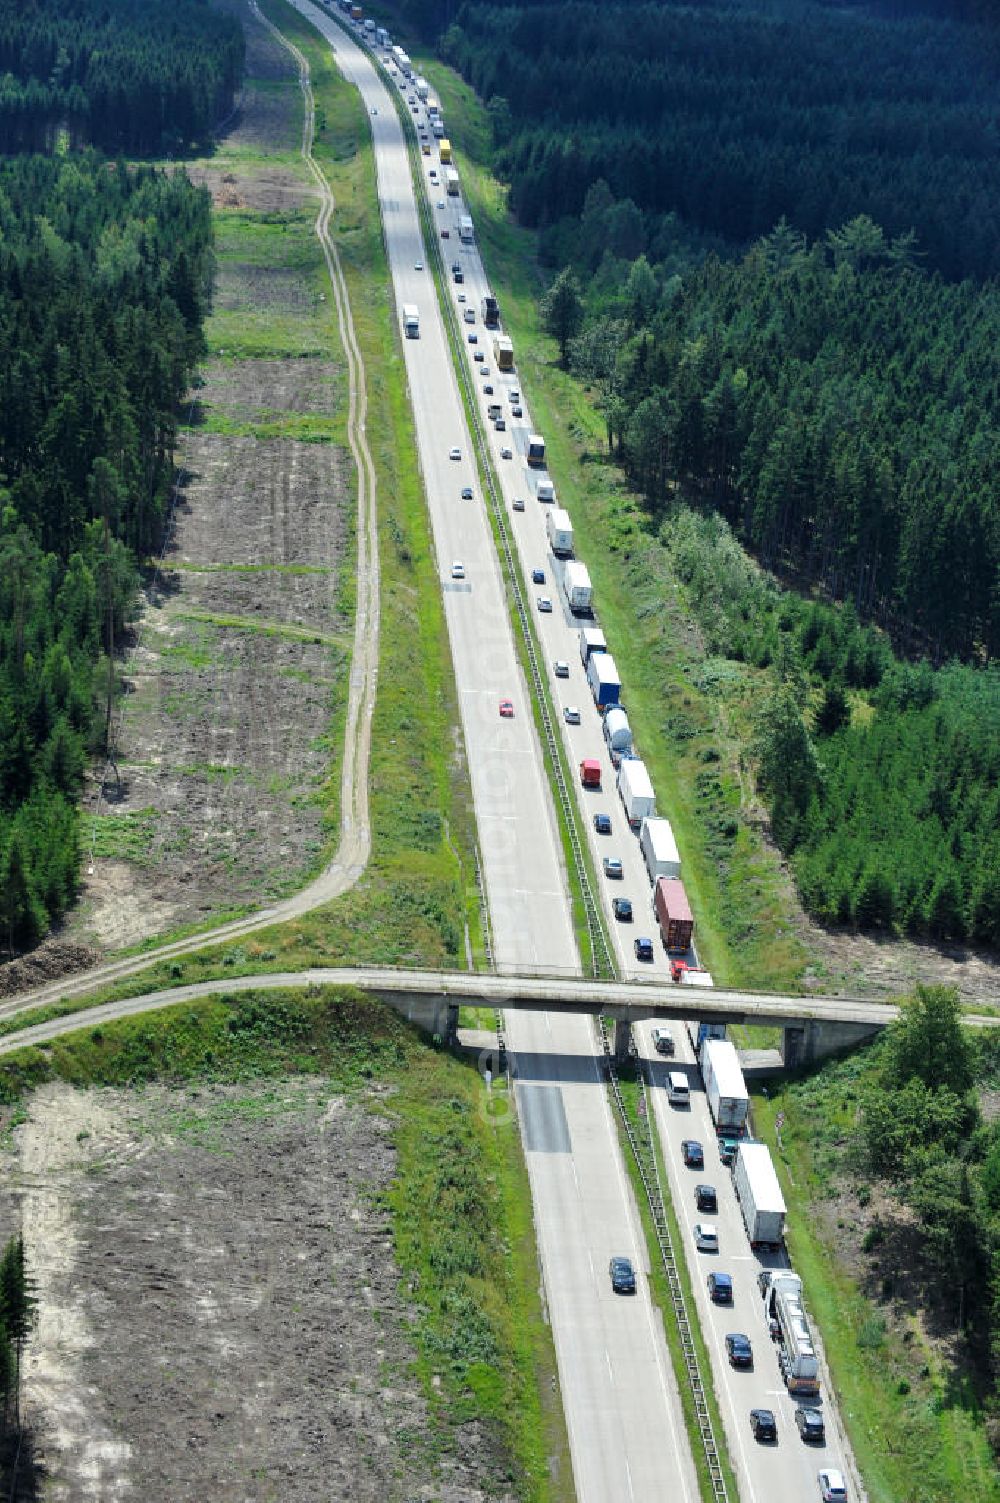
(444, 147)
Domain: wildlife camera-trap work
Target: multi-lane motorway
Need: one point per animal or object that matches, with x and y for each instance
(788, 1469)
(619, 1394)
(618, 1390)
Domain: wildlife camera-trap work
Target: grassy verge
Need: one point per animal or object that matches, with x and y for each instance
(459, 1203)
(660, 1294)
(916, 1432)
(418, 897)
(679, 704)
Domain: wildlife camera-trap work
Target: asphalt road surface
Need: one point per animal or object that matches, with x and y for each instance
(789, 1468)
(619, 1397)
(558, 629)
(764, 1472)
(767, 1472)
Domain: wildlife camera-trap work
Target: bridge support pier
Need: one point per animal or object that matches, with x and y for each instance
(623, 1041)
(434, 1013)
(808, 1042)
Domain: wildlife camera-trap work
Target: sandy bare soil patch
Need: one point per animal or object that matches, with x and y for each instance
(221, 1314)
(262, 118)
(865, 964)
(240, 659)
(241, 653)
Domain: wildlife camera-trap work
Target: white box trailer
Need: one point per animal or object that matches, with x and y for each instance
(466, 231)
(636, 791)
(592, 639)
(536, 450)
(559, 530)
(451, 181)
(423, 88)
(659, 848)
(759, 1194)
(544, 489)
(725, 1087)
(577, 588)
(411, 320)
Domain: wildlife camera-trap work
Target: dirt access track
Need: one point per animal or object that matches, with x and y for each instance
(220, 1313)
(242, 649)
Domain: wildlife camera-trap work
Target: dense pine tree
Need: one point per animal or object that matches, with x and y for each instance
(136, 76)
(104, 277)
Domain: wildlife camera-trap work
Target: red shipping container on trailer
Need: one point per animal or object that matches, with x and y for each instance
(673, 914)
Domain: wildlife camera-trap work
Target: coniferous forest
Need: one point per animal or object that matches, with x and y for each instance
(138, 76)
(774, 237)
(104, 279)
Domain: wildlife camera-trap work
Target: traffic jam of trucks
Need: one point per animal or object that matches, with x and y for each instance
(659, 849)
(755, 1182)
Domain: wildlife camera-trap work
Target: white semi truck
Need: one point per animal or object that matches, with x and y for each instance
(725, 1087)
(559, 530)
(762, 1204)
(577, 588)
(411, 320)
(659, 848)
(592, 639)
(636, 791)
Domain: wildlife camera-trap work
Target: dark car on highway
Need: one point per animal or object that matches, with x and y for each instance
(693, 1153)
(738, 1349)
(810, 1423)
(622, 908)
(622, 1276)
(644, 948)
(602, 822)
(705, 1198)
(720, 1288)
(763, 1424)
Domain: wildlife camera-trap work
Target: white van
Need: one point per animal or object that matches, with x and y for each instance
(678, 1093)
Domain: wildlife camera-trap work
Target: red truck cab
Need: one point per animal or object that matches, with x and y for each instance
(590, 772)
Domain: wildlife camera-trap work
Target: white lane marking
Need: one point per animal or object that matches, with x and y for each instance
(679, 1443)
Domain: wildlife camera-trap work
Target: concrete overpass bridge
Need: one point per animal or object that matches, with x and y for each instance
(813, 1026)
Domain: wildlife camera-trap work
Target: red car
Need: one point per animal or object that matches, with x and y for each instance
(506, 710)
